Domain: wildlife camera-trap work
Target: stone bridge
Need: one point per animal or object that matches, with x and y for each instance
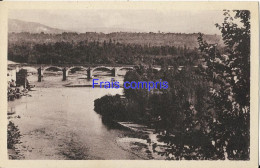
(90, 70)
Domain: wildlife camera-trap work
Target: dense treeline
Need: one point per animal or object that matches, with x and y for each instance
(96, 52)
(150, 39)
(206, 108)
(100, 48)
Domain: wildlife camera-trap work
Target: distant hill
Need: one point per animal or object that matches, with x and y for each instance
(31, 32)
(18, 26)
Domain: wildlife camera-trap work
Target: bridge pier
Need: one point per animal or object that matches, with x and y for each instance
(39, 74)
(114, 72)
(88, 73)
(64, 72)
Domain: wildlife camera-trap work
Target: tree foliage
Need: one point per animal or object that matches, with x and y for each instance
(229, 76)
(94, 52)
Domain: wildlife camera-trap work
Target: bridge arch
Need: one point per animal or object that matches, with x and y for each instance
(119, 71)
(100, 67)
(31, 70)
(156, 69)
(125, 68)
(51, 67)
(75, 67)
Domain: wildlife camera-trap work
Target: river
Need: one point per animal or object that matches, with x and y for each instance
(58, 122)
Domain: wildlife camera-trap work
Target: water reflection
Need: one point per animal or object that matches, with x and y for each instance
(112, 124)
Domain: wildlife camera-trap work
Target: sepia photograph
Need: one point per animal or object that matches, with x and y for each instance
(135, 84)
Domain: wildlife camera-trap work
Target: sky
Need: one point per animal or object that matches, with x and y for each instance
(124, 20)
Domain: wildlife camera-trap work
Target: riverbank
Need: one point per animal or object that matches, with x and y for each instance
(143, 141)
(50, 81)
(14, 93)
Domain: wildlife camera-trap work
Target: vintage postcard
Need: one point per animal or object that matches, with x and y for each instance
(129, 84)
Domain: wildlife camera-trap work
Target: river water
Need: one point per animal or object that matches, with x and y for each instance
(58, 122)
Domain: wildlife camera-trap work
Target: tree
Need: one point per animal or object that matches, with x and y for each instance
(229, 77)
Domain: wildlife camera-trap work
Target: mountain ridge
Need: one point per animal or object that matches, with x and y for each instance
(18, 26)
